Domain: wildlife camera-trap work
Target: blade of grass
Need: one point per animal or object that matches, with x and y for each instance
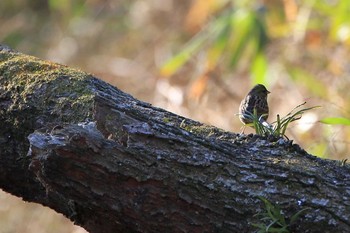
(297, 215)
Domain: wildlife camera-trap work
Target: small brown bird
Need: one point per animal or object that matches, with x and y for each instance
(256, 99)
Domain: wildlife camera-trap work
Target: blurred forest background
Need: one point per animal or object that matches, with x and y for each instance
(198, 59)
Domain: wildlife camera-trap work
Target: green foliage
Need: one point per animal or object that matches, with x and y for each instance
(74, 8)
(274, 220)
(281, 124)
(335, 121)
(259, 68)
(279, 127)
(171, 66)
(234, 34)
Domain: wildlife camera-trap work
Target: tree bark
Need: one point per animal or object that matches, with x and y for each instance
(112, 163)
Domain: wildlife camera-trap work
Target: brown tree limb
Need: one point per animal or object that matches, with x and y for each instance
(112, 163)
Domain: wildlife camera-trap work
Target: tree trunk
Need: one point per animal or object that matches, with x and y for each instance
(112, 163)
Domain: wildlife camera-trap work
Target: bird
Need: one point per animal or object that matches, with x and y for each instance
(255, 99)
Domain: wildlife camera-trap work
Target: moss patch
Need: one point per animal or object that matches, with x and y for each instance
(45, 86)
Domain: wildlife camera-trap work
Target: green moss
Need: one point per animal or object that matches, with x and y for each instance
(166, 120)
(44, 87)
(201, 130)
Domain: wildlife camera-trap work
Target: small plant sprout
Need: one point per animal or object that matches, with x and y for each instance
(274, 220)
(279, 127)
(258, 123)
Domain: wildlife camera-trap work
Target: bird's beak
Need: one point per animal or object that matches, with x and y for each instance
(268, 92)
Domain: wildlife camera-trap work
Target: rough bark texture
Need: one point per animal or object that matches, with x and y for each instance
(112, 163)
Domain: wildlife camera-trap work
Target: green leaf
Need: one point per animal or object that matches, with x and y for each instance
(220, 43)
(261, 34)
(259, 68)
(241, 26)
(335, 121)
(297, 215)
(259, 225)
(172, 65)
(216, 31)
(58, 4)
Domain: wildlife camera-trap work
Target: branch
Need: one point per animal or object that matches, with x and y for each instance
(112, 163)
